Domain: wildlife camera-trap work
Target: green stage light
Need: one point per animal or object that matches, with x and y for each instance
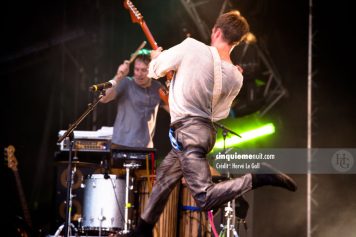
(246, 136)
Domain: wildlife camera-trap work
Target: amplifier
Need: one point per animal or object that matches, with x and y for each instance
(96, 141)
(89, 145)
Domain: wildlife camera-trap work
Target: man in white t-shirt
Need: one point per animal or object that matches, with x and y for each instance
(201, 92)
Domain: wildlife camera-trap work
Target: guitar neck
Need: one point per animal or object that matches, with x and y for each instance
(148, 35)
(22, 199)
(138, 18)
(153, 44)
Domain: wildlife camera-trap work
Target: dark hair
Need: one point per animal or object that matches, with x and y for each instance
(145, 58)
(233, 26)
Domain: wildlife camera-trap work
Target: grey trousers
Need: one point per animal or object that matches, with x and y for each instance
(197, 137)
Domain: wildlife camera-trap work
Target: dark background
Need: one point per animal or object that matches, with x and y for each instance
(52, 51)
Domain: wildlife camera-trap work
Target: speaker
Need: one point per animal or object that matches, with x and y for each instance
(79, 174)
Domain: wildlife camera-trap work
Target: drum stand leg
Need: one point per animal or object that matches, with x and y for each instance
(101, 219)
(127, 190)
(59, 230)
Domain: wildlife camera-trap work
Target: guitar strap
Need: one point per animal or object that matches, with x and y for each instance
(217, 79)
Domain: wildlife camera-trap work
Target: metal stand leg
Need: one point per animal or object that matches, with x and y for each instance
(59, 230)
(127, 201)
(230, 219)
(230, 208)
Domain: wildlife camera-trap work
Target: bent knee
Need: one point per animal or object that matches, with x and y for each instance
(202, 202)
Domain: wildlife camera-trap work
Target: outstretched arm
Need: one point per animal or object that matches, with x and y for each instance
(111, 93)
(164, 61)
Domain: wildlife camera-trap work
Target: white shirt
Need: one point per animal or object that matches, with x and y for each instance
(191, 89)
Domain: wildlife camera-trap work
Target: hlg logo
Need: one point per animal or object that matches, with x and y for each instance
(342, 161)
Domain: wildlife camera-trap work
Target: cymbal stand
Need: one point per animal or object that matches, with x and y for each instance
(128, 205)
(70, 134)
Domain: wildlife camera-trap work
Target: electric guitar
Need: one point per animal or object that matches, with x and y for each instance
(137, 17)
(12, 164)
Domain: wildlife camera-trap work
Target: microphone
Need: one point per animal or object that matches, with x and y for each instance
(103, 86)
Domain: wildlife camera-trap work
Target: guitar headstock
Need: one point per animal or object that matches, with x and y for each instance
(135, 15)
(11, 159)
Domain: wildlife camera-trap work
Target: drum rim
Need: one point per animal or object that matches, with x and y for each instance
(101, 176)
(86, 228)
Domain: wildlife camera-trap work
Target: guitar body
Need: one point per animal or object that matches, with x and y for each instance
(136, 17)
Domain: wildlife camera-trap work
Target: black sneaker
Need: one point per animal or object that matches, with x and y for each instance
(268, 175)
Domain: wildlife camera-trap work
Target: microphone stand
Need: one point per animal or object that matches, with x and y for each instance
(70, 135)
(225, 131)
(230, 208)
